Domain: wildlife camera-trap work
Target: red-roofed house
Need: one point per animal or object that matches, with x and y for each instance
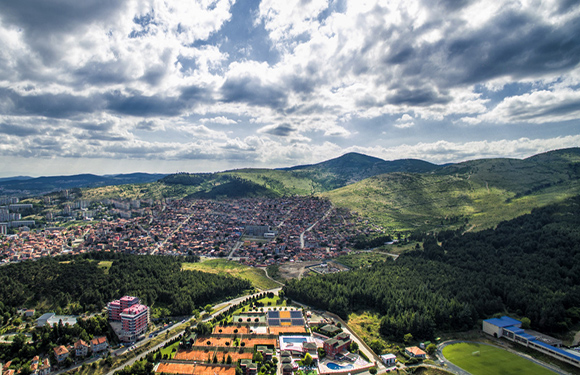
(415, 352)
(81, 348)
(98, 344)
(61, 353)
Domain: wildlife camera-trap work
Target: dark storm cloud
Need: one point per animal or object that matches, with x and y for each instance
(136, 104)
(94, 126)
(101, 136)
(566, 5)
(147, 126)
(252, 91)
(516, 45)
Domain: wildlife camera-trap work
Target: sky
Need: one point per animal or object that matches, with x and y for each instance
(108, 86)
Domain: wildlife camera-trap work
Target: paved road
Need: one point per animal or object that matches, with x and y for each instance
(312, 226)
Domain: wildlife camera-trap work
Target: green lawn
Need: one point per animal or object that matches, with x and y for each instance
(256, 276)
(169, 350)
(490, 360)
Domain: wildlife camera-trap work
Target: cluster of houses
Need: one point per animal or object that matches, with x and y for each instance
(299, 228)
(80, 349)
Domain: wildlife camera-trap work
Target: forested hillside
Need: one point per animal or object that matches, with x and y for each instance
(78, 284)
(529, 266)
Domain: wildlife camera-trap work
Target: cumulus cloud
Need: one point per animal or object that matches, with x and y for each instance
(285, 81)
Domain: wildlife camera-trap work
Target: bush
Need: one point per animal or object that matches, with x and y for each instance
(373, 370)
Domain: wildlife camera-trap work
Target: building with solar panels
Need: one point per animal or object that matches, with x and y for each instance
(285, 318)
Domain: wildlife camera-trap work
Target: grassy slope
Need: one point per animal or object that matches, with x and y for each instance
(256, 276)
(153, 190)
(485, 191)
(491, 360)
(282, 182)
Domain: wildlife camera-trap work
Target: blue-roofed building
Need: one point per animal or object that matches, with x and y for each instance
(495, 326)
(511, 329)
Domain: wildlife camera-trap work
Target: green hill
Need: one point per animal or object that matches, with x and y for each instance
(354, 167)
(481, 192)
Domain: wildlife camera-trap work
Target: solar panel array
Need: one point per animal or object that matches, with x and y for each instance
(296, 314)
(285, 318)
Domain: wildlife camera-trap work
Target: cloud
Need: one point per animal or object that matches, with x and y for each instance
(218, 120)
(281, 130)
(537, 107)
(406, 121)
(251, 90)
(285, 81)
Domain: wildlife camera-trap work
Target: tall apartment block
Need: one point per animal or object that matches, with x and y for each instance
(134, 317)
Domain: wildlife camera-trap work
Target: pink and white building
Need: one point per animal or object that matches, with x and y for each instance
(134, 317)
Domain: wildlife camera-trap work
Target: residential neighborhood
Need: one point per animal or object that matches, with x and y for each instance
(257, 231)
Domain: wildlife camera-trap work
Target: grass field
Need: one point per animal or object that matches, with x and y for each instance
(105, 265)
(490, 360)
(170, 350)
(255, 275)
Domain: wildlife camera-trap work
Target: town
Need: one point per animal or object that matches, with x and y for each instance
(255, 231)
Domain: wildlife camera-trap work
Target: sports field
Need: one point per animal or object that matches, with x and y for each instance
(480, 359)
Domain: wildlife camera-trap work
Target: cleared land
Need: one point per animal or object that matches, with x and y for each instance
(105, 265)
(481, 359)
(256, 276)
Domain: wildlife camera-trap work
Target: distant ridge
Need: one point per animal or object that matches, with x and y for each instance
(15, 178)
(48, 184)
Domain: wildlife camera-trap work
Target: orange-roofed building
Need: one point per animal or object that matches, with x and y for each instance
(415, 352)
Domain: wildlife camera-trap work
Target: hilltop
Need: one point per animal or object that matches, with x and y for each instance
(479, 193)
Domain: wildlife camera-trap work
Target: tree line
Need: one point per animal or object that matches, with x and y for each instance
(525, 267)
(77, 284)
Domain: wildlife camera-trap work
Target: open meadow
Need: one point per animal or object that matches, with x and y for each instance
(256, 276)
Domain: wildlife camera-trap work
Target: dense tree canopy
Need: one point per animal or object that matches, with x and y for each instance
(529, 266)
(78, 284)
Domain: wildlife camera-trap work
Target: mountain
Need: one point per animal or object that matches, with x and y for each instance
(478, 194)
(41, 185)
(353, 167)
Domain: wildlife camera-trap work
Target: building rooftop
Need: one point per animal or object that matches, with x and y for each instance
(504, 321)
(134, 310)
